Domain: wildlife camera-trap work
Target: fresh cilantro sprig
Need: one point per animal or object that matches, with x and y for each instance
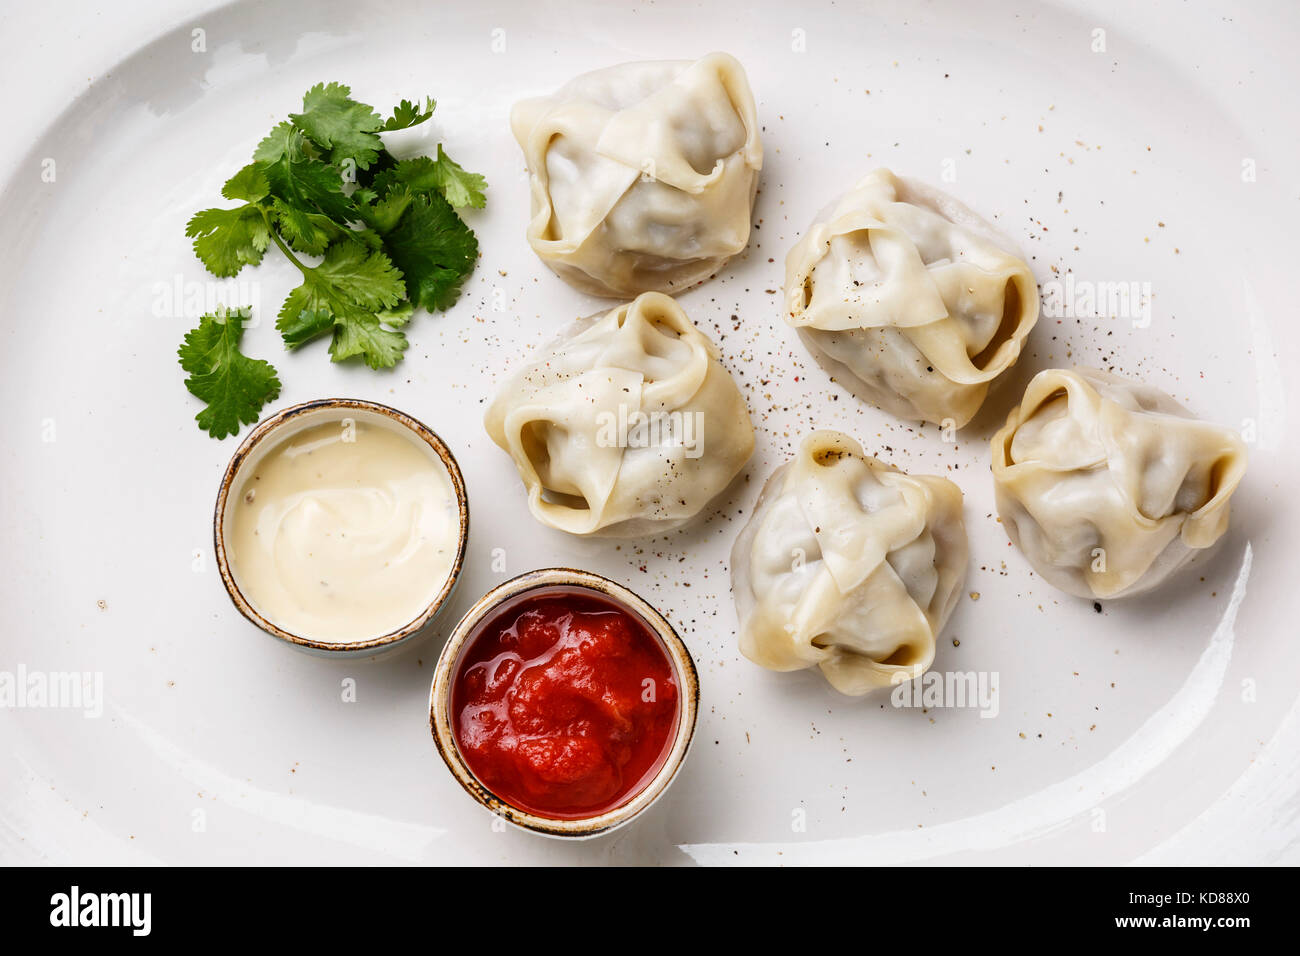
(233, 386)
(384, 234)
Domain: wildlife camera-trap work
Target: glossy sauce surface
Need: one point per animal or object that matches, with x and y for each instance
(564, 703)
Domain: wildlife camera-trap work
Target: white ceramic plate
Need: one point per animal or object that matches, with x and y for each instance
(1162, 729)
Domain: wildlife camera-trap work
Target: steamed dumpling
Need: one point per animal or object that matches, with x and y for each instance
(625, 425)
(848, 564)
(643, 175)
(910, 299)
(1109, 486)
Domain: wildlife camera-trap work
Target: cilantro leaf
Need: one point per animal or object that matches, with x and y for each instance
(461, 188)
(226, 240)
(368, 238)
(364, 335)
(398, 315)
(408, 114)
(434, 249)
(366, 177)
(309, 184)
(249, 184)
(390, 243)
(387, 212)
(348, 292)
(233, 386)
(442, 175)
(366, 278)
(309, 323)
(283, 142)
(331, 118)
(305, 231)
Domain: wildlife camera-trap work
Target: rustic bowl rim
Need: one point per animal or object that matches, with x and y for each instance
(267, 429)
(684, 671)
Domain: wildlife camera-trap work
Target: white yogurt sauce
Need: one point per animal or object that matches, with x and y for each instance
(343, 532)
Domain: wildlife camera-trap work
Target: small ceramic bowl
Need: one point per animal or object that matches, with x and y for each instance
(270, 433)
(563, 579)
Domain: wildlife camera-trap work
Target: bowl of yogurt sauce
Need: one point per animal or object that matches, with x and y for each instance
(340, 526)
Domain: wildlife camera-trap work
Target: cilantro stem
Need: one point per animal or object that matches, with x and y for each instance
(270, 227)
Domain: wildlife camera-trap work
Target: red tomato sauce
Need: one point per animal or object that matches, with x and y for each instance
(564, 703)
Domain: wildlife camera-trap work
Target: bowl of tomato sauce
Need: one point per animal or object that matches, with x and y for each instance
(564, 703)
